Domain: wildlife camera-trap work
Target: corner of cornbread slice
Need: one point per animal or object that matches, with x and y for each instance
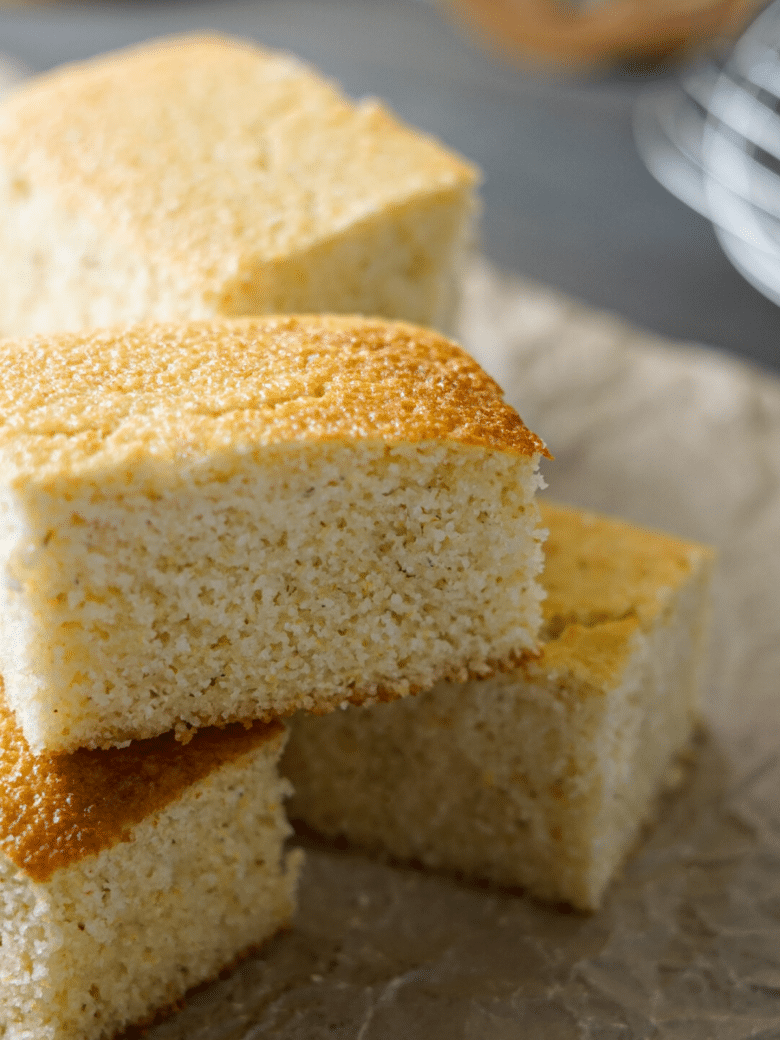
(229, 520)
(129, 876)
(198, 176)
(541, 777)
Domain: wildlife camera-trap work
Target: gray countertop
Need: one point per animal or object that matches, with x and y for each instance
(567, 200)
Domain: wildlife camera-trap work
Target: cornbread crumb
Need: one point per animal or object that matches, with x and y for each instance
(228, 520)
(541, 777)
(129, 876)
(255, 188)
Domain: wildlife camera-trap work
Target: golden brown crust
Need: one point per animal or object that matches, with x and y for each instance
(197, 184)
(605, 580)
(165, 393)
(598, 569)
(56, 809)
(595, 655)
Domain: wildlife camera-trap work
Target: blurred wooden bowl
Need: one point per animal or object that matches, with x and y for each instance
(605, 31)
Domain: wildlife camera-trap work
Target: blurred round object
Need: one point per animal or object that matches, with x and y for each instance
(594, 32)
(669, 122)
(741, 155)
(712, 138)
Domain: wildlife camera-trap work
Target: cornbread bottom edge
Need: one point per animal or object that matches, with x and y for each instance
(105, 942)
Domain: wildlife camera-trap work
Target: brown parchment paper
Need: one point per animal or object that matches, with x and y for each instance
(687, 946)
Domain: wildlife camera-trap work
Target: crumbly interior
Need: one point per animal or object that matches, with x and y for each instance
(539, 778)
(112, 938)
(60, 272)
(309, 576)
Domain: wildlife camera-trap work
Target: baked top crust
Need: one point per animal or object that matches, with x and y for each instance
(55, 809)
(251, 156)
(212, 391)
(602, 569)
(605, 581)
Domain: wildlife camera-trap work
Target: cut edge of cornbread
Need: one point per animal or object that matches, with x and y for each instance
(542, 777)
(117, 209)
(178, 873)
(232, 520)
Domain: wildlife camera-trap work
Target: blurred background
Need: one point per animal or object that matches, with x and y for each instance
(567, 199)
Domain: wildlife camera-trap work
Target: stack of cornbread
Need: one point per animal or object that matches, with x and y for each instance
(209, 523)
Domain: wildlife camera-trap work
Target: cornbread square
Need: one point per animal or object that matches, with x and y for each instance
(543, 777)
(129, 876)
(200, 176)
(228, 520)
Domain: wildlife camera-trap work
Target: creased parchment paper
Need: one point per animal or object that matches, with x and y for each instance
(687, 946)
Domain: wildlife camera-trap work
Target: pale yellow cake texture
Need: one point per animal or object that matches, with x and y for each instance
(129, 876)
(542, 777)
(198, 176)
(228, 520)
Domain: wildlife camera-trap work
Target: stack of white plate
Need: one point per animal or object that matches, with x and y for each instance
(713, 139)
